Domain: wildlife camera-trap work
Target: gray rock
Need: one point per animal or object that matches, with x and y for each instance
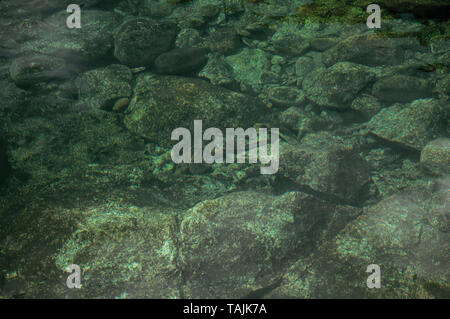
(139, 41)
(338, 85)
(29, 70)
(239, 243)
(367, 49)
(412, 125)
(289, 42)
(435, 156)
(401, 88)
(181, 61)
(162, 103)
(102, 87)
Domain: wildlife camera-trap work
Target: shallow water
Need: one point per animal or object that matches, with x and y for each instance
(224, 149)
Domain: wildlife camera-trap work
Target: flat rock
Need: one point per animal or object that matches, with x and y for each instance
(330, 167)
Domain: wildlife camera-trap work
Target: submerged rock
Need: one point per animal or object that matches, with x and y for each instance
(89, 44)
(338, 85)
(435, 156)
(223, 40)
(29, 70)
(181, 61)
(217, 71)
(405, 234)
(139, 41)
(367, 49)
(329, 167)
(162, 103)
(234, 245)
(125, 252)
(102, 87)
(367, 105)
(412, 125)
(401, 88)
(249, 65)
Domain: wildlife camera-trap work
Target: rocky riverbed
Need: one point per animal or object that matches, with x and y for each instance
(87, 178)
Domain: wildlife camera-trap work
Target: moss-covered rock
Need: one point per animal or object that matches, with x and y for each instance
(405, 235)
(326, 166)
(401, 88)
(29, 70)
(435, 156)
(91, 43)
(139, 41)
(237, 244)
(368, 49)
(102, 87)
(412, 125)
(338, 85)
(161, 104)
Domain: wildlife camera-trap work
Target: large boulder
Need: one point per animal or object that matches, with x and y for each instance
(407, 235)
(162, 103)
(125, 252)
(139, 41)
(236, 245)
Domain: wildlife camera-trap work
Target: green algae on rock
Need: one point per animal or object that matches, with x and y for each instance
(435, 156)
(161, 104)
(135, 42)
(256, 233)
(412, 125)
(102, 87)
(404, 233)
